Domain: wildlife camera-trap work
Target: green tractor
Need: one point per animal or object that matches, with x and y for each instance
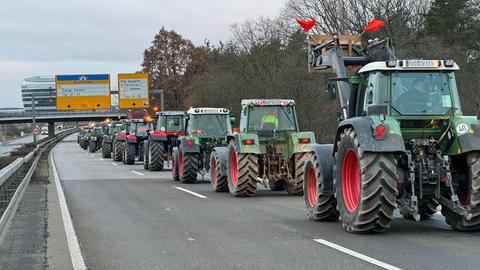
(206, 128)
(95, 139)
(109, 132)
(268, 149)
(401, 142)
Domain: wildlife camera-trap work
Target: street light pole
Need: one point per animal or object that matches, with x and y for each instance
(161, 92)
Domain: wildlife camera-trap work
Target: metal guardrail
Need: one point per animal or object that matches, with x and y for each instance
(28, 114)
(15, 177)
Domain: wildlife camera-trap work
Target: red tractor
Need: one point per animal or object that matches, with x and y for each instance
(118, 144)
(140, 125)
(157, 148)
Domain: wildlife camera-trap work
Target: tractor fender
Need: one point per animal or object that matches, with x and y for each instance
(158, 136)
(194, 148)
(324, 154)
(467, 131)
(363, 127)
(469, 142)
(247, 149)
(222, 156)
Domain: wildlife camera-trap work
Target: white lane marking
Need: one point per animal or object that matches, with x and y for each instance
(190, 192)
(114, 164)
(78, 262)
(137, 173)
(357, 255)
(102, 159)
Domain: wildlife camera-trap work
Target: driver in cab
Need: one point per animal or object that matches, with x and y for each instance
(417, 94)
(270, 120)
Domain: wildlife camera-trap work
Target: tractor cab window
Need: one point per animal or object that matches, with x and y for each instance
(427, 93)
(280, 118)
(372, 92)
(140, 128)
(170, 123)
(209, 124)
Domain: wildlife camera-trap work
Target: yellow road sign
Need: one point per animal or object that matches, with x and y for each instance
(83, 92)
(133, 90)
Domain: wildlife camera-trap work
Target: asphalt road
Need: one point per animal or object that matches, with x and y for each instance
(128, 218)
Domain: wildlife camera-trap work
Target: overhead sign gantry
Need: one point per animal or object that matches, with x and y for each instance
(83, 92)
(133, 90)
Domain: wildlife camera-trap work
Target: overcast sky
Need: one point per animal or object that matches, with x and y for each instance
(48, 37)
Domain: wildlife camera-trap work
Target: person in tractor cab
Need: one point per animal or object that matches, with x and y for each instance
(270, 120)
(417, 94)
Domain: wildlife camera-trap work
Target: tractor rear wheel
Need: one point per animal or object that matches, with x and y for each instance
(242, 170)
(106, 150)
(129, 157)
(469, 197)
(175, 175)
(188, 164)
(296, 186)
(366, 187)
(118, 150)
(92, 147)
(321, 206)
(217, 179)
(156, 154)
(145, 155)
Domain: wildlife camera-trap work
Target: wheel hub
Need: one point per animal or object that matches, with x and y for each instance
(350, 180)
(311, 187)
(233, 168)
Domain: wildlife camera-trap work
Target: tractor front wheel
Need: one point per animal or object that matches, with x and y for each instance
(321, 206)
(242, 170)
(188, 166)
(129, 157)
(175, 158)
(366, 186)
(469, 197)
(156, 154)
(217, 178)
(106, 150)
(295, 187)
(92, 146)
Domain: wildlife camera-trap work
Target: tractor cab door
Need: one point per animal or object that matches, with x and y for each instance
(372, 97)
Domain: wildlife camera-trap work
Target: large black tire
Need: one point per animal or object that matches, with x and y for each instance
(366, 187)
(118, 150)
(469, 195)
(129, 154)
(188, 164)
(106, 150)
(218, 163)
(175, 175)
(321, 205)
(80, 143)
(85, 145)
(242, 171)
(140, 151)
(145, 155)
(92, 146)
(295, 187)
(156, 154)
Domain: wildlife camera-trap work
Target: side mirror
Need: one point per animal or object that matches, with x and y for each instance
(232, 120)
(163, 128)
(330, 90)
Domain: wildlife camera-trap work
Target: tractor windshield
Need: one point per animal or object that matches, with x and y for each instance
(171, 123)
(209, 124)
(281, 118)
(424, 93)
(140, 129)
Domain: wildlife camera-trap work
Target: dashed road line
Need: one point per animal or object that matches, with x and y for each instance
(78, 262)
(190, 192)
(357, 255)
(135, 172)
(114, 164)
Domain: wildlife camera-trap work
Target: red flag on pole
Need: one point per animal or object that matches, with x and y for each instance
(306, 24)
(373, 26)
